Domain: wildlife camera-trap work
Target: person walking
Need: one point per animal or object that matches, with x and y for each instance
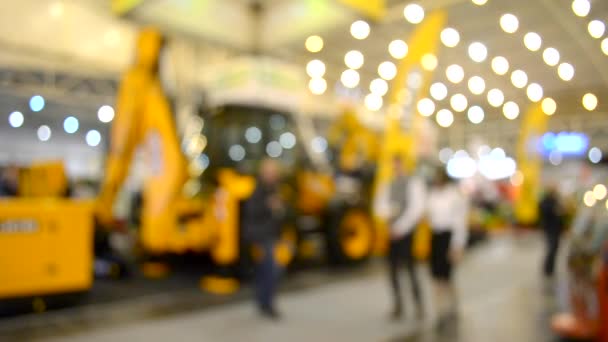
(447, 212)
(551, 222)
(262, 219)
(401, 203)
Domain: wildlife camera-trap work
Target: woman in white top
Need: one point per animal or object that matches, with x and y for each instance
(447, 212)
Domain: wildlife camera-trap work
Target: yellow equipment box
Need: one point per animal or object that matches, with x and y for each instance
(46, 246)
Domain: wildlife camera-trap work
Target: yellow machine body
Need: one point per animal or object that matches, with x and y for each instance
(46, 246)
(358, 144)
(43, 179)
(314, 191)
(222, 215)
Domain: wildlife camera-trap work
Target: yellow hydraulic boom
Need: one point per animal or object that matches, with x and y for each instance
(170, 223)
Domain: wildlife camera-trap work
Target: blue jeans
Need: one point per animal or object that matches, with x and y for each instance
(267, 273)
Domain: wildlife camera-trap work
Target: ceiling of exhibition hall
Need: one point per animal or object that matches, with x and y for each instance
(554, 49)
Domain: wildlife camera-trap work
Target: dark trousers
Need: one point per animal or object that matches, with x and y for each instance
(267, 273)
(400, 252)
(552, 245)
(441, 266)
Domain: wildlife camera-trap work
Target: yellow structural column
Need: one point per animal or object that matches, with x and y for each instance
(530, 164)
(403, 122)
(397, 138)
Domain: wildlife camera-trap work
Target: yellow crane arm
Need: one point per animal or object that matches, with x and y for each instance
(124, 138)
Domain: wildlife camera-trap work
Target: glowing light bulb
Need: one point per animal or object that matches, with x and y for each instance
(359, 29)
(596, 29)
(37, 103)
(475, 114)
(533, 41)
(581, 7)
(444, 118)
(354, 59)
(590, 101)
(93, 138)
(476, 85)
(450, 37)
(314, 44)
(478, 52)
(350, 78)
(317, 86)
(534, 92)
(378, 86)
(500, 65)
(454, 73)
(44, 133)
(426, 107)
(105, 114)
(459, 103)
(509, 23)
(519, 78)
(15, 119)
(438, 91)
(551, 56)
(315, 68)
(413, 13)
(510, 110)
(70, 125)
(496, 97)
(565, 71)
(600, 191)
(387, 70)
(549, 106)
(595, 155)
(398, 49)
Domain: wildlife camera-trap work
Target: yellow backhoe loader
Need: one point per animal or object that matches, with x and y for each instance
(46, 241)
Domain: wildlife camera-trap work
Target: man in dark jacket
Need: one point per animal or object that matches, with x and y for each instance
(262, 218)
(551, 220)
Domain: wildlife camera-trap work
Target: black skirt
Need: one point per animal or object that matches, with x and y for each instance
(441, 266)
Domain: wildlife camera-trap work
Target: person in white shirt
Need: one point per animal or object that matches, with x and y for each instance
(447, 211)
(401, 204)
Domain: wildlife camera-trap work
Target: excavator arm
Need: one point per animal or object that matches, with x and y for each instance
(170, 222)
(124, 138)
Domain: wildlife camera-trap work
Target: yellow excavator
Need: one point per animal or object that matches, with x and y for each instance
(47, 242)
(170, 221)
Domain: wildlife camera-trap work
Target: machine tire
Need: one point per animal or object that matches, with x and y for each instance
(350, 235)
